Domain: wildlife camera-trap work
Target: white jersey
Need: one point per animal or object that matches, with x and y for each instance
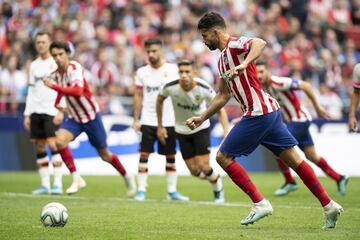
(40, 98)
(151, 80)
(283, 89)
(356, 76)
(188, 104)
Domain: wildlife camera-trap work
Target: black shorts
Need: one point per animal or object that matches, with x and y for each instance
(42, 127)
(194, 144)
(149, 137)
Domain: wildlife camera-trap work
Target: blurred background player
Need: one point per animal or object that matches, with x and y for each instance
(189, 96)
(355, 97)
(69, 82)
(298, 121)
(148, 80)
(41, 117)
(261, 123)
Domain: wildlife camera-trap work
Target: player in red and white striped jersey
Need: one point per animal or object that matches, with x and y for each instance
(298, 122)
(355, 98)
(261, 123)
(69, 82)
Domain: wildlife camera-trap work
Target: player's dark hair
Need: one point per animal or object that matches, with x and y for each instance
(41, 33)
(210, 20)
(60, 45)
(152, 41)
(261, 63)
(185, 62)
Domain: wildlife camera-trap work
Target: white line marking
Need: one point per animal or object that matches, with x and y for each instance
(196, 203)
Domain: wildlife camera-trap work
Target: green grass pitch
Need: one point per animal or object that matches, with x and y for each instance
(101, 211)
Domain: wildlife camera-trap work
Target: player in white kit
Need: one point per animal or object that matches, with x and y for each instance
(190, 96)
(41, 117)
(354, 99)
(148, 80)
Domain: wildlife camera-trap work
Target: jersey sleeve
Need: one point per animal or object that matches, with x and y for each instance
(209, 95)
(284, 84)
(242, 44)
(31, 80)
(76, 73)
(164, 91)
(138, 80)
(356, 76)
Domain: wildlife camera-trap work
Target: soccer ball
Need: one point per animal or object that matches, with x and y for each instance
(54, 215)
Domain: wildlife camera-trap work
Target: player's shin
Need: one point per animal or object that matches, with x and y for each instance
(43, 166)
(307, 175)
(171, 174)
(57, 163)
(143, 174)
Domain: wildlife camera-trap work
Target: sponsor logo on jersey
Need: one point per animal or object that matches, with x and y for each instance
(188, 107)
(152, 89)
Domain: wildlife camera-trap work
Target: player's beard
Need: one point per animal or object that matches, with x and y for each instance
(212, 45)
(154, 61)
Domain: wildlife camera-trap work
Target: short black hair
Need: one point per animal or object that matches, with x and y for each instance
(41, 33)
(60, 45)
(261, 63)
(185, 62)
(210, 20)
(152, 41)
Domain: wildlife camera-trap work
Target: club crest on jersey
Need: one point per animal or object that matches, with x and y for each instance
(197, 99)
(166, 75)
(226, 60)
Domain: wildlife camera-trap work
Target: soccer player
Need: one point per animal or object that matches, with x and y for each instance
(189, 96)
(148, 81)
(261, 123)
(298, 122)
(41, 117)
(69, 82)
(354, 99)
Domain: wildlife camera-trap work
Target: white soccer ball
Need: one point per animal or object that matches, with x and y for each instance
(54, 215)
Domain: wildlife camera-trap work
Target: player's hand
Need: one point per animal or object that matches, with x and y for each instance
(136, 126)
(321, 112)
(194, 122)
(237, 70)
(47, 82)
(59, 117)
(27, 123)
(352, 124)
(162, 134)
(62, 109)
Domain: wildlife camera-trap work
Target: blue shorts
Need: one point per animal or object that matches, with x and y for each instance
(300, 130)
(94, 130)
(268, 130)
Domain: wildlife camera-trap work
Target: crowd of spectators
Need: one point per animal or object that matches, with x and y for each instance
(315, 40)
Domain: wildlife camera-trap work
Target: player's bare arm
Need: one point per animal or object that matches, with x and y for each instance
(257, 45)
(221, 98)
(223, 119)
(306, 87)
(58, 118)
(138, 98)
(27, 122)
(355, 98)
(48, 82)
(161, 131)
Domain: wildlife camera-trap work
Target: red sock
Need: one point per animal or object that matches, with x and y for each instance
(239, 176)
(117, 165)
(68, 159)
(328, 170)
(307, 175)
(285, 171)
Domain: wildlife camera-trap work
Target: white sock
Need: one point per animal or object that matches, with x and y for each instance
(56, 160)
(76, 176)
(44, 171)
(45, 177)
(217, 186)
(262, 202)
(329, 205)
(142, 182)
(171, 178)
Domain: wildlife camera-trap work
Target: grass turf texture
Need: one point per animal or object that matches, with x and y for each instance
(101, 211)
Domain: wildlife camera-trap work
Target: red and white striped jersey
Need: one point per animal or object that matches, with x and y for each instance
(283, 89)
(246, 87)
(82, 108)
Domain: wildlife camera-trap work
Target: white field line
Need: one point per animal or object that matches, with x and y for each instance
(196, 203)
